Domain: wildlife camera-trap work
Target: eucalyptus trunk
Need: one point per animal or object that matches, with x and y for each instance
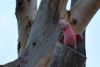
(39, 33)
(25, 13)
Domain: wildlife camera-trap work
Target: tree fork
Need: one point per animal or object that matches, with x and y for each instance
(44, 33)
(43, 37)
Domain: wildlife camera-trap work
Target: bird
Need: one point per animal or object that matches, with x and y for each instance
(68, 37)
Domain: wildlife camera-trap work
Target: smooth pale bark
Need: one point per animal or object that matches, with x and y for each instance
(82, 12)
(25, 13)
(44, 34)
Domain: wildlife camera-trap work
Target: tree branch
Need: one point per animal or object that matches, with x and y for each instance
(25, 14)
(82, 12)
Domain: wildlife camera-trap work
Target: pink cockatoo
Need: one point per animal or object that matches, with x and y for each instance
(68, 35)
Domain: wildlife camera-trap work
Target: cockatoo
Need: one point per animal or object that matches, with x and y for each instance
(68, 35)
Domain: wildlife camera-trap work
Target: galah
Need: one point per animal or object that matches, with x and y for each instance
(68, 35)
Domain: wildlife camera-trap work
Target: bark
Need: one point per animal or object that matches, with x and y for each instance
(82, 12)
(64, 56)
(45, 33)
(67, 57)
(25, 14)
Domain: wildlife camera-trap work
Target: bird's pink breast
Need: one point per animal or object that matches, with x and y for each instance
(69, 36)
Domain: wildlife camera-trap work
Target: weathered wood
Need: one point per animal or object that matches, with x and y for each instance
(66, 57)
(82, 12)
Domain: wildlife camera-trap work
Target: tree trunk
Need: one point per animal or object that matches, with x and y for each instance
(67, 57)
(25, 14)
(44, 35)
